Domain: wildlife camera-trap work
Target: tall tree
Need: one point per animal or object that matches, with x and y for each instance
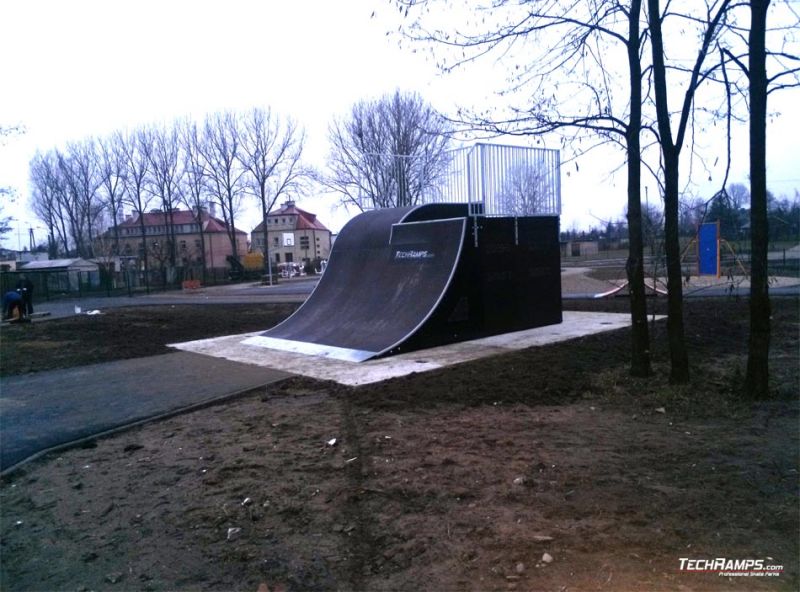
(69, 201)
(166, 171)
(671, 151)
(47, 185)
(136, 147)
(194, 192)
(757, 378)
(222, 151)
(112, 168)
(271, 152)
(387, 152)
(782, 52)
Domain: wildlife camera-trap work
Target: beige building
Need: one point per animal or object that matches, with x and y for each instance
(295, 236)
(189, 245)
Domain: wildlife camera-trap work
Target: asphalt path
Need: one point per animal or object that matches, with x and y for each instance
(47, 411)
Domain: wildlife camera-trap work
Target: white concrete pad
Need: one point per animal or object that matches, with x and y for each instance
(243, 348)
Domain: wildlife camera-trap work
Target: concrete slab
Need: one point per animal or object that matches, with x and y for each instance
(246, 349)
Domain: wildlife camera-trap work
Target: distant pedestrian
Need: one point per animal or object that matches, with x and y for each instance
(13, 306)
(25, 288)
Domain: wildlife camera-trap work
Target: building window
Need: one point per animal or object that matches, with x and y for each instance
(289, 257)
(277, 257)
(304, 243)
(276, 242)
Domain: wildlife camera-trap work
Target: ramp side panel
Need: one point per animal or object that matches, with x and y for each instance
(521, 270)
(374, 293)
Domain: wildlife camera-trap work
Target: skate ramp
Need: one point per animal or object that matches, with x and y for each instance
(409, 278)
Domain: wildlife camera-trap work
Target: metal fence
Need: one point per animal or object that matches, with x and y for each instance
(500, 180)
(54, 285)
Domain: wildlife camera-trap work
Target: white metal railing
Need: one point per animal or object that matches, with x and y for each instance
(501, 180)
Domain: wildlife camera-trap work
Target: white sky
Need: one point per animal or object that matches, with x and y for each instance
(70, 69)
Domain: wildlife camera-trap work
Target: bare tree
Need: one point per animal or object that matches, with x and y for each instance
(136, 147)
(525, 189)
(757, 378)
(270, 153)
(47, 185)
(775, 50)
(112, 168)
(194, 192)
(222, 152)
(711, 26)
(387, 152)
(165, 173)
(81, 173)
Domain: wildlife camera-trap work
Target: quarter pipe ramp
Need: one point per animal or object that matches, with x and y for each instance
(406, 278)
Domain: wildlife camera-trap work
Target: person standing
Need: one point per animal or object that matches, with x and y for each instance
(25, 288)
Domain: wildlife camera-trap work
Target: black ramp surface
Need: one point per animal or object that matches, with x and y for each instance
(383, 280)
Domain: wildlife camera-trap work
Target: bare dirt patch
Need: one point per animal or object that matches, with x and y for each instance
(124, 333)
(546, 469)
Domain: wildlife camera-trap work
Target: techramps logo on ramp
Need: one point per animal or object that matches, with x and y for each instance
(406, 254)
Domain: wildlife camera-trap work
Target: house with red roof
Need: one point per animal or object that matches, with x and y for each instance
(193, 235)
(294, 235)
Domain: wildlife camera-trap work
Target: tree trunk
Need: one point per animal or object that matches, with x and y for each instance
(232, 229)
(757, 379)
(143, 231)
(679, 371)
(679, 358)
(640, 339)
(264, 221)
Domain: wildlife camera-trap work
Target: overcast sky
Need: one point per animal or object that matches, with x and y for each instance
(71, 69)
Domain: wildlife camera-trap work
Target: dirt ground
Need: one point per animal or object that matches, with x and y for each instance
(545, 469)
(123, 333)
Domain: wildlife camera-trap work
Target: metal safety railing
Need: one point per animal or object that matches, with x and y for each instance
(495, 179)
(500, 180)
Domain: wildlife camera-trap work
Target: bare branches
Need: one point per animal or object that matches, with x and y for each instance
(387, 152)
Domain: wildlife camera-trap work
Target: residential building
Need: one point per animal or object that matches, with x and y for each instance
(295, 236)
(189, 241)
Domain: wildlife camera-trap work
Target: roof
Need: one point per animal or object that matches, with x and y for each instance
(210, 223)
(58, 264)
(305, 220)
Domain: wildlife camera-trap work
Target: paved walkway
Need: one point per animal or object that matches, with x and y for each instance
(47, 410)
